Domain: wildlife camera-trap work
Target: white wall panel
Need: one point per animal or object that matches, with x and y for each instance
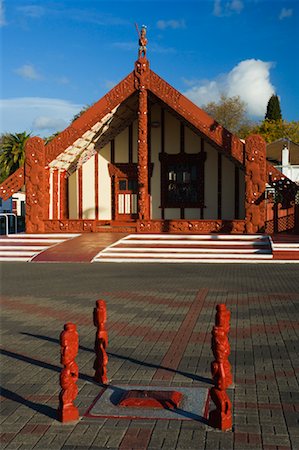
(211, 182)
(73, 195)
(88, 189)
(104, 184)
(228, 189)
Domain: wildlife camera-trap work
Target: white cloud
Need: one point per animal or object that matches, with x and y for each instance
(284, 13)
(36, 114)
(28, 72)
(33, 11)
(228, 8)
(174, 24)
(49, 123)
(2, 14)
(250, 79)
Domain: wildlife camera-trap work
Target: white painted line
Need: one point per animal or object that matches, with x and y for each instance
(17, 253)
(23, 247)
(49, 235)
(194, 242)
(186, 255)
(203, 261)
(198, 236)
(33, 241)
(183, 250)
(286, 246)
(14, 258)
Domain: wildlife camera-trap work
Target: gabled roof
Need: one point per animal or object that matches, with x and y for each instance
(78, 139)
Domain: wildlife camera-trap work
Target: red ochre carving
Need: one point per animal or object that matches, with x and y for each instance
(101, 342)
(141, 82)
(191, 226)
(221, 417)
(36, 185)
(221, 370)
(151, 399)
(12, 184)
(255, 184)
(69, 341)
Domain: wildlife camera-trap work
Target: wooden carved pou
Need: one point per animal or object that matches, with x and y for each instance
(221, 417)
(69, 341)
(101, 342)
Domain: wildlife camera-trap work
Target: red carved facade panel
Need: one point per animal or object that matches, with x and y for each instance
(255, 184)
(191, 226)
(37, 186)
(12, 184)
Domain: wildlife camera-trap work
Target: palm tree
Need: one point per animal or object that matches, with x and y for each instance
(12, 153)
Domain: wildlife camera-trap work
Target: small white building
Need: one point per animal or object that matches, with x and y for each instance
(284, 155)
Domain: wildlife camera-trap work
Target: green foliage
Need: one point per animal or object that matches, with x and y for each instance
(273, 109)
(12, 153)
(272, 130)
(230, 112)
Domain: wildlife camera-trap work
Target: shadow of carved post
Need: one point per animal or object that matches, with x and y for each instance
(69, 341)
(101, 342)
(221, 417)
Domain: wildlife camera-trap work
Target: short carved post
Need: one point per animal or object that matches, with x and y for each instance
(69, 341)
(221, 417)
(101, 342)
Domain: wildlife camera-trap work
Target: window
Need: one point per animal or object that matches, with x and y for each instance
(182, 180)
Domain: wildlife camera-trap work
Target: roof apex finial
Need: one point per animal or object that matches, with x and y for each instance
(142, 41)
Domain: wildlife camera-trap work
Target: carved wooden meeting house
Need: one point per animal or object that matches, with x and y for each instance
(144, 158)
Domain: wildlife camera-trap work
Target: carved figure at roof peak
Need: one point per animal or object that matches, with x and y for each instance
(142, 41)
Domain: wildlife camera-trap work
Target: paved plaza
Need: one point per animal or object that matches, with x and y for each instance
(159, 322)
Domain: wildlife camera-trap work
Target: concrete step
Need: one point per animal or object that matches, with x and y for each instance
(24, 247)
(187, 248)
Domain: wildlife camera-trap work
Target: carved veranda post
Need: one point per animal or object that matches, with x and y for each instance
(255, 184)
(141, 84)
(36, 182)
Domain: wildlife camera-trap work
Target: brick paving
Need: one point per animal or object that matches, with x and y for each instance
(159, 322)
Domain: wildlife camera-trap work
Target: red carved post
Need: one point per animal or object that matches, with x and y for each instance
(221, 417)
(141, 75)
(101, 342)
(255, 184)
(36, 183)
(222, 320)
(69, 341)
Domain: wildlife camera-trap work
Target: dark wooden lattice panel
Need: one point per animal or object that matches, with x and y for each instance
(12, 184)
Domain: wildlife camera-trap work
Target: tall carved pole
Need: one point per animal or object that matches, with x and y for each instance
(255, 184)
(101, 342)
(69, 341)
(141, 84)
(36, 183)
(221, 417)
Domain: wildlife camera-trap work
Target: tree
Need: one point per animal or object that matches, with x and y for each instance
(230, 112)
(273, 109)
(272, 130)
(12, 153)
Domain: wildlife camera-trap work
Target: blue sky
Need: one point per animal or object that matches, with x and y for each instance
(59, 55)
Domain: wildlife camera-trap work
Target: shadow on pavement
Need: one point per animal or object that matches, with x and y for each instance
(127, 358)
